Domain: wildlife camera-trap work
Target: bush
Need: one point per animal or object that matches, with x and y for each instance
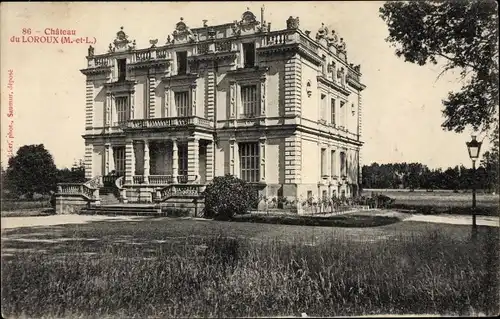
(228, 195)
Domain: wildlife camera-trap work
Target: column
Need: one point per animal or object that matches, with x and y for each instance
(262, 156)
(194, 158)
(129, 161)
(175, 160)
(210, 162)
(146, 162)
(233, 157)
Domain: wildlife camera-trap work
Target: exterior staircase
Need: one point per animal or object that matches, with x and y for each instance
(109, 196)
(123, 209)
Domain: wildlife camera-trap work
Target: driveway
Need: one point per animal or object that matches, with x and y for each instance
(15, 222)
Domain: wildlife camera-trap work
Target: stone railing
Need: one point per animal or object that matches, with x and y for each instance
(138, 179)
(351, 75)
(160, 179)
(109, 181)
(179, 190)
(223, 46)
(279, 38)
(169, 122)
(119, 182)
(77, 189)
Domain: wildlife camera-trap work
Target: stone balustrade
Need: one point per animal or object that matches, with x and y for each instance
(169, 122)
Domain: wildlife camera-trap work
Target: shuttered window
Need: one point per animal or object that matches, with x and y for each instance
(250, 101)
(182, 103)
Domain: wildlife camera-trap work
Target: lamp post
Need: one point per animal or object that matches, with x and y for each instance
(474, 147)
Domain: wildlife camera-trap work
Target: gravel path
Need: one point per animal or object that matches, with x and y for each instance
(15, 222)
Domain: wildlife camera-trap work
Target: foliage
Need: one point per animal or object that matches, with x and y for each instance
(490, 163)
(228, 195)
(419, 176)
(461, 35)
(31, 170)
(74, 175)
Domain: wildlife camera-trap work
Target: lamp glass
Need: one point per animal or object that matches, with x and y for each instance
(474, 147)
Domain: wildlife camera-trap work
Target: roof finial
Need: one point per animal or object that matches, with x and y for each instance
(182, 18)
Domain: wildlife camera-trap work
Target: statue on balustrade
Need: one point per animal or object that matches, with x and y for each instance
(91, 51)
(235, 28)
(153, 43)
(322, 32)
(292, 23)
(357, 68)
(333, 39)
(342, 46)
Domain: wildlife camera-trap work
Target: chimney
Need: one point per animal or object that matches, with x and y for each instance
(262, 15)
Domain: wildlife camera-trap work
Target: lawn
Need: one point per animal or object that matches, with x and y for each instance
(441, 201)
(163, 267)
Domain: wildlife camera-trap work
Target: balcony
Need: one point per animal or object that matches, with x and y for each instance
(169, 122)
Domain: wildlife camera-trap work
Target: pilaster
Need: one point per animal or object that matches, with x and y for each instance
(193, 157)
(233, 158)
(175, 160)
(193, 100)
(152, 96)
(210, 162)
(293, 86)
(110, 161)
(167, 104)
(146, 162)
(89, 149)
(89, 104)
(129, 161)
(232, 99)
(263, 96)
(262, 156)
(107, 114)
(293, 159)
(210, 112)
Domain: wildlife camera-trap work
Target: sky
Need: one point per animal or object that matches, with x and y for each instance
(401, 103)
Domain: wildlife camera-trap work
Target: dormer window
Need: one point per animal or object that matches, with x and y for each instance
(249, 54)
(182, 62)
(122, 69)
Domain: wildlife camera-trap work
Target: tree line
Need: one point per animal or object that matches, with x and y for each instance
(419, 176)
(33, 171)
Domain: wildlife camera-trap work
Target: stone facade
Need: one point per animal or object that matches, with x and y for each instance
(279, 109)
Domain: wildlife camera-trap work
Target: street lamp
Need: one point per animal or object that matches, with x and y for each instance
(474, 147)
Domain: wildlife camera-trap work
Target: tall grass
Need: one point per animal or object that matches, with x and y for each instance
(229, 277)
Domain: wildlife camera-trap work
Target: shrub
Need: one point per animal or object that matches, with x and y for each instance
(228, 195)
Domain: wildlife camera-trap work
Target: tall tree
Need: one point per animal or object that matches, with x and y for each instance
(460, 35)
(31, 170)
(490, 162)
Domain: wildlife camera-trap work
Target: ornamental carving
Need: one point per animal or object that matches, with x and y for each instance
(342, 46)
(182, 33)
(248, 22)
(121, 42)
(153, 43)
(292, 23)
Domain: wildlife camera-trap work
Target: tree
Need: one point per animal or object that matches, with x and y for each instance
(31, 170)
(491, 164)
(74, 175)
(461, 35)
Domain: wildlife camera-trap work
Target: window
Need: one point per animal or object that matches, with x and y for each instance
(323, 65)
(323, 107)
(249, 54)
(309, 194)
(333, 163)
(182, 62)
(323, 163)
(122, 69)
(250, 101)
(182, 104)
(122, 108)
(249, 162)
(325, 195)
(333, 111)
(183, 160)
(119, 155)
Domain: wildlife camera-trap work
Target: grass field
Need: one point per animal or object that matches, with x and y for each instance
(440, 201)
(164, 267)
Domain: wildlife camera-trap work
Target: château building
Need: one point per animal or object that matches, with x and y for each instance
(280, 109)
